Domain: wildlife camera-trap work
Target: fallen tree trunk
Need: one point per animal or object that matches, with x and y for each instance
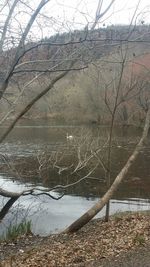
(86, 217)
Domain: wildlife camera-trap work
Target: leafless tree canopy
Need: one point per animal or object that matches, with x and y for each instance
(40, 54)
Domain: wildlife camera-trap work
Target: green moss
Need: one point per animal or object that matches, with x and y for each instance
(140, 239)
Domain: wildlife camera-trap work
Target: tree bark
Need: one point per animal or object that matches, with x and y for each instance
(7, 207)
(86, 217)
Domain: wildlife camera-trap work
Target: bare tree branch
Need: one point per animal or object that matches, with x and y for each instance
(86, 217)
(20, 48)
(99, 15)
(3, 35)
(31, 103)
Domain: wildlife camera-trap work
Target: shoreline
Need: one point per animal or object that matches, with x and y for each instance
(95, 243)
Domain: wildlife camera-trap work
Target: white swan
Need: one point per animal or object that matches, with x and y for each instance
(69, 137)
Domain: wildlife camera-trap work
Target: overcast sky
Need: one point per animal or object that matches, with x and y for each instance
(65, 15)
(77, 13)
(81, 10)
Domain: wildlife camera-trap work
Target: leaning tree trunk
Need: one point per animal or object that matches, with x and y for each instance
(86, 217)
(7, 207)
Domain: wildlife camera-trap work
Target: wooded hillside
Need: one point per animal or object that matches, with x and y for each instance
(81, 96)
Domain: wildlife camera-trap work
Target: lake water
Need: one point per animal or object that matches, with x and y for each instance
(42, 156)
